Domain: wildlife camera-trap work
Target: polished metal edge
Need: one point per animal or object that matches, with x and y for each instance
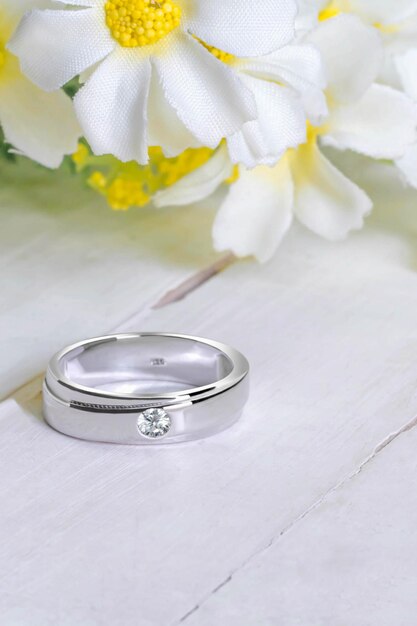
(55, 376)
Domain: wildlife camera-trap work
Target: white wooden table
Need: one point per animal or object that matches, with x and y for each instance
(303, 514)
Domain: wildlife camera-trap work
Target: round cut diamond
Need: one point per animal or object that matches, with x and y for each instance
(154, 423)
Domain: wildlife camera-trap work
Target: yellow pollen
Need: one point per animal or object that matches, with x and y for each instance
(330, 11)
(81, 155)
(137, 23)
(123, 193)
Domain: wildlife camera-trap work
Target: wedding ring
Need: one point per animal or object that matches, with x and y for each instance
(145, 388)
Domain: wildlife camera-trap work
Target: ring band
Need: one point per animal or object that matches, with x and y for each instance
(145, 388)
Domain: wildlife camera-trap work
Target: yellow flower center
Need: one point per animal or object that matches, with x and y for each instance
(80, 157)
(137, 23)
(129, 184)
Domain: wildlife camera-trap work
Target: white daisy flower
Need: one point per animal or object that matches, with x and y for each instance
(157, 72)
(365, 117)
(288, 86)
(39, 125)
(396, 21)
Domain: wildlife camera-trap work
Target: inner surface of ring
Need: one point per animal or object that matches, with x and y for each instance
(145, 365)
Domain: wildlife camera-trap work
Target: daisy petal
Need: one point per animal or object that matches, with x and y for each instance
(257, 213)
(297, 66)
(112, 106)
(55, 46)
(219, 103)
(165, 129)
(281, 125)
(352, 54)
(406, 66)
(382, 124)
(326, 201)
(384, 11)
(408, 165)
(44, 130)
(199, 184)
(243, 27)
(308, 14)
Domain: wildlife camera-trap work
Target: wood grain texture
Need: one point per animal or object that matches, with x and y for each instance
(102, 534)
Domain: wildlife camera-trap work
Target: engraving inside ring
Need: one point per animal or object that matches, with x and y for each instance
(146, 365)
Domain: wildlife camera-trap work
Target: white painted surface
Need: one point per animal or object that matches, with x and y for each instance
(98, 534)
(352, 560)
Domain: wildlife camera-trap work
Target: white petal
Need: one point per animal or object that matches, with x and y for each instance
(40, 125)
(82, 3)
(165, 129)
(381, 125)
(326, 201)
(257, 213)
(384, 11)
(281, 124)
(307, 17)
(397, 42)
(352, 54)
(206, 94)
(199, 184)
(408, 165)
(407, 69)
(243, 27)
(55, 46)
(112, 106)
(299, 67)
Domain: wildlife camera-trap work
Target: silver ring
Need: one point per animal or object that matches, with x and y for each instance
(145, 388)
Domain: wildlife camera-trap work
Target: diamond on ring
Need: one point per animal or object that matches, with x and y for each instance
(154, 423)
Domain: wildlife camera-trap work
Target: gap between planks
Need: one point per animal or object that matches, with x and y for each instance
(383, 445)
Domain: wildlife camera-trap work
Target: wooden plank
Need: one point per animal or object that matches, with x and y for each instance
(70, 267)
(101, 534)
(351, 561)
